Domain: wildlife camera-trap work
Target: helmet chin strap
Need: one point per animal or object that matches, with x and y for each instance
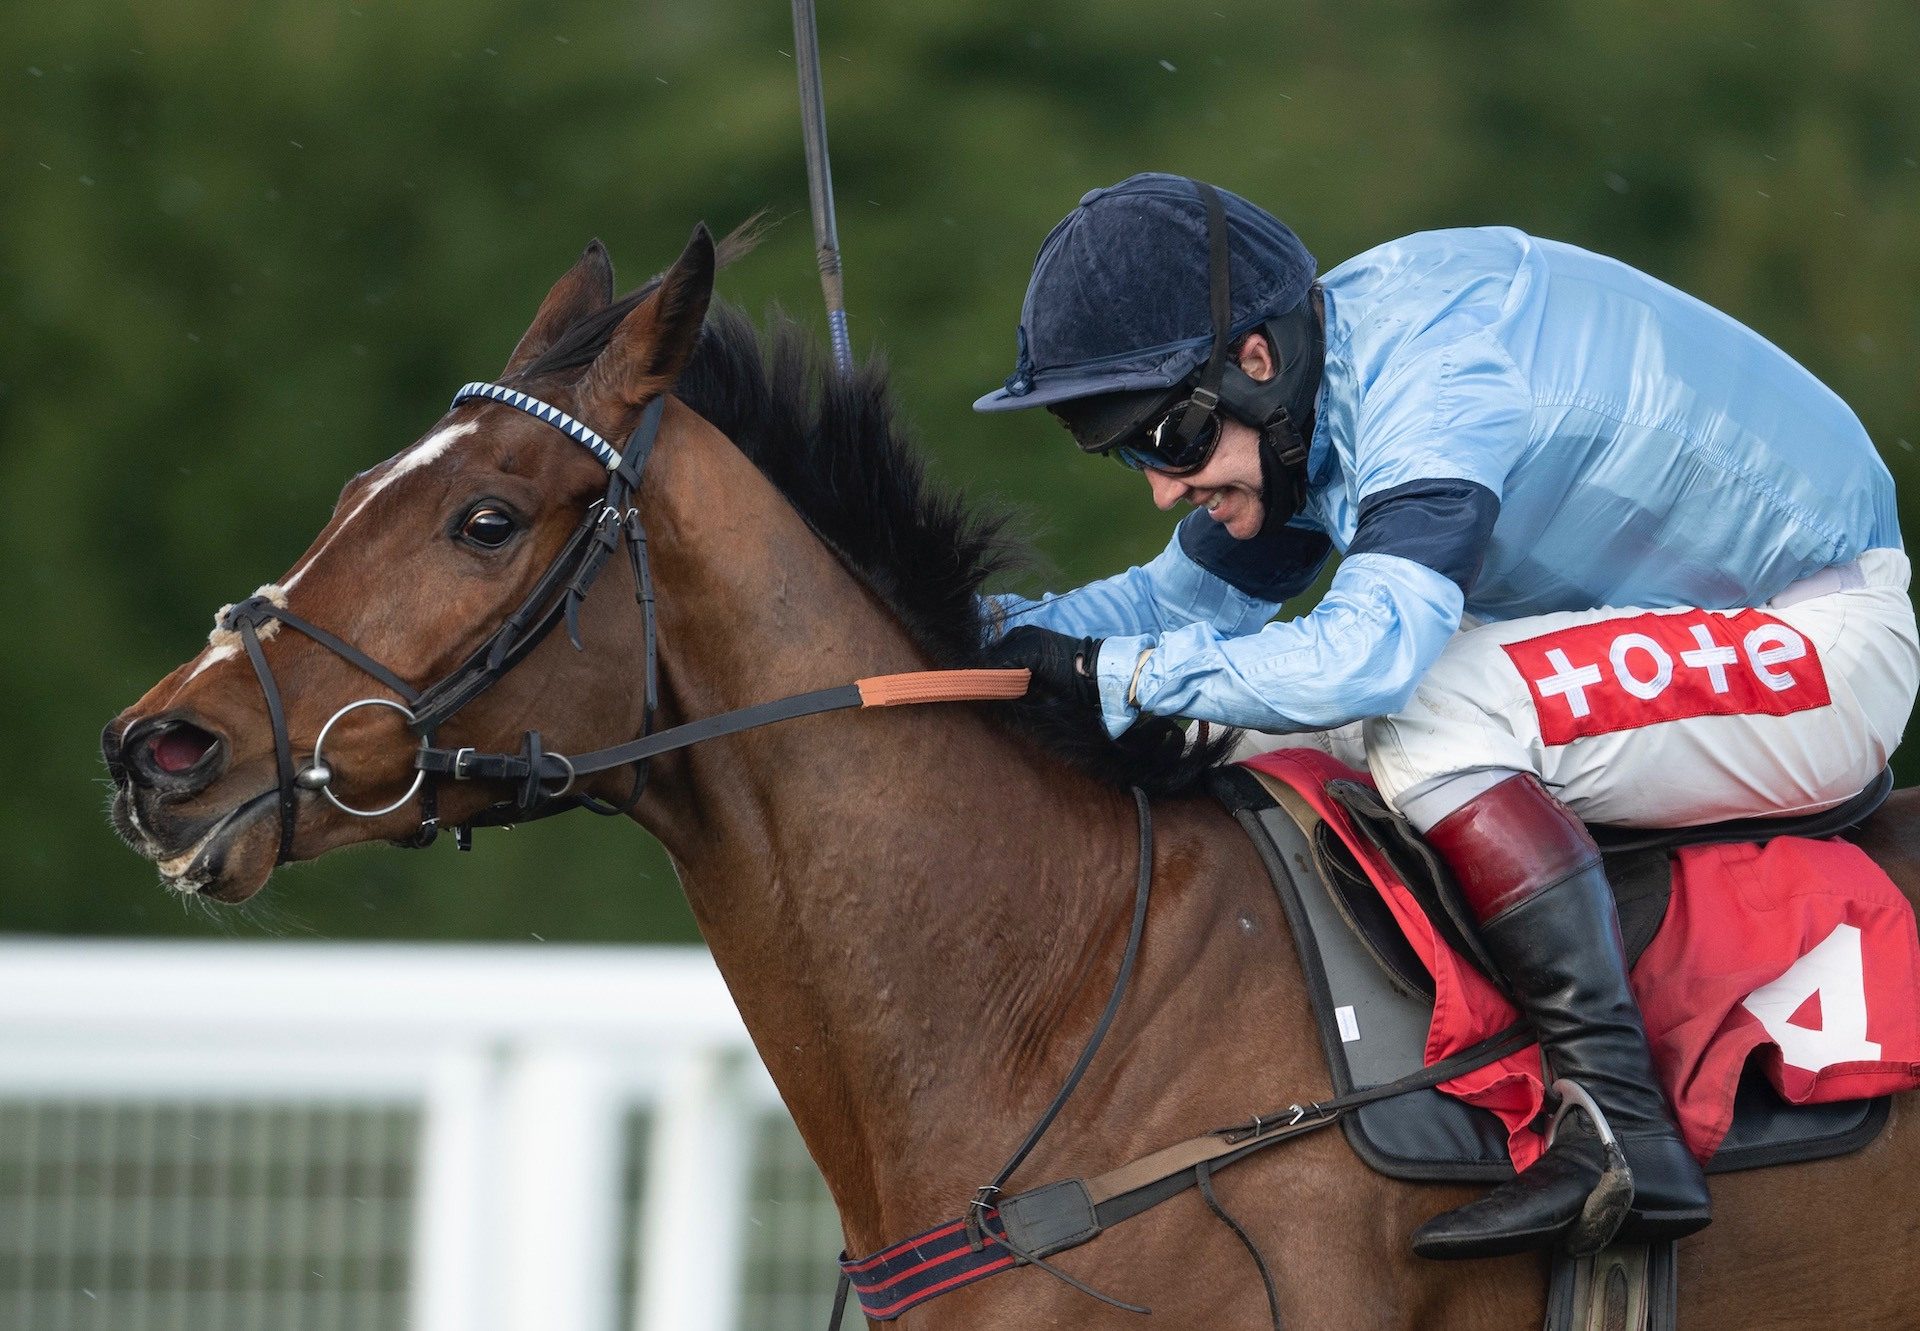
(1283, 486)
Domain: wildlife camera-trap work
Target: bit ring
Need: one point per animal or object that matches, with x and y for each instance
(318, 776)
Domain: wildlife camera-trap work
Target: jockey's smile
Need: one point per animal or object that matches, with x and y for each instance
(1230, 488)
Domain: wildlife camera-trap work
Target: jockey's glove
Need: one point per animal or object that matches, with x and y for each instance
(1065, 669)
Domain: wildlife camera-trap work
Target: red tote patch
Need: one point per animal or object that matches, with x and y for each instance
(1620, 674)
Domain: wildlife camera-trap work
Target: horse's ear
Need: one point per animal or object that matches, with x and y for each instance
(654, 342)
(586, 287)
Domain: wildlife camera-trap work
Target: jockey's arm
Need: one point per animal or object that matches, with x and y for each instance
(1359, 653)
(1175, 590)
(1435, 438)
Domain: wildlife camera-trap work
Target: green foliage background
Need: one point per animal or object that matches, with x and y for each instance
(249, 249)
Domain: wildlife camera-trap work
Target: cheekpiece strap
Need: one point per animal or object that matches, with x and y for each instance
(1205, 399)
(578, 431)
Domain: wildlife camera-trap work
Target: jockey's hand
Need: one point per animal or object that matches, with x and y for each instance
(1064, 668)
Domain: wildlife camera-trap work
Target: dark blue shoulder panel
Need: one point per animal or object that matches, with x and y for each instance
(1443, 524)
(1272, 566)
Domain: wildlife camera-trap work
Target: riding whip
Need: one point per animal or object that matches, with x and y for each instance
(813, 123)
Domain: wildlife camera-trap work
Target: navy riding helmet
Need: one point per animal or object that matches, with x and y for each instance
(1118, 301)
(1135, 301)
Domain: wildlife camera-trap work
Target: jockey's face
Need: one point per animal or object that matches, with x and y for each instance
(1230, 486)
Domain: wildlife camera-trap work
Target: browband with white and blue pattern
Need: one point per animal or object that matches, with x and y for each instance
(580, 433)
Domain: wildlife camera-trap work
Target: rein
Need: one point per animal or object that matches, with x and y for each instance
(543, 779)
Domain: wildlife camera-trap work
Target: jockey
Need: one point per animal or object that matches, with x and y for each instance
(1607, 555)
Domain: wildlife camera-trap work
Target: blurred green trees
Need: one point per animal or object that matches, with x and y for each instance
(249, 249)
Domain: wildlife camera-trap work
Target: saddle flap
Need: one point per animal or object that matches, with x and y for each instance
(1363, 910)
(1417, 866)
(1640, 876)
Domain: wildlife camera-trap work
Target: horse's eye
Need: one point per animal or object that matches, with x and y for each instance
(488, 527)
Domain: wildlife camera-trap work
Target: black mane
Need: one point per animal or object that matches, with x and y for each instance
(833, 447)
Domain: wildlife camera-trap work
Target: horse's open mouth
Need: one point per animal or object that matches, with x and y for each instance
(202, 868)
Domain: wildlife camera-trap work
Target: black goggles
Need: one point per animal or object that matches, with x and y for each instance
(1143, 430)
(1169, 445)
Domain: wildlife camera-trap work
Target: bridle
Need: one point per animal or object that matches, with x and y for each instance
(557, 596)
(544, 780)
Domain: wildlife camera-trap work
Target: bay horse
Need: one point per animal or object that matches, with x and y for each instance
(919, 911)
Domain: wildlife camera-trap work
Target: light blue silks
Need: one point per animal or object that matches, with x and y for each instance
(1645, 450)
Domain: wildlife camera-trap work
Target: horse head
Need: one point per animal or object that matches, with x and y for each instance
(425, 558)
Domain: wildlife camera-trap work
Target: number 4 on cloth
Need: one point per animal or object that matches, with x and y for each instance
(1834, 971)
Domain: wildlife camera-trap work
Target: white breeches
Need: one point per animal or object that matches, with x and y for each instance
(1660, 718)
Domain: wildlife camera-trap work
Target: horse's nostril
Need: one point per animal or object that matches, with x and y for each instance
(179, 746)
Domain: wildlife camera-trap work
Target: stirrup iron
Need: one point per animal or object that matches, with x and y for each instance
(1612, 1197)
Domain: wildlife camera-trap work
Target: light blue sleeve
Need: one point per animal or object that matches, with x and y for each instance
(1169, 592)
(1358, 654)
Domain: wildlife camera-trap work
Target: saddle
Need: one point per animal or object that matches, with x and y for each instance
(1373, 997)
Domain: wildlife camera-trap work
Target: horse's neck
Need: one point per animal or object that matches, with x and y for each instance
(903, 902)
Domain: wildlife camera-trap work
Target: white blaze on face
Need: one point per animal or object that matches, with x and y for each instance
(428, 450)
(223, 644)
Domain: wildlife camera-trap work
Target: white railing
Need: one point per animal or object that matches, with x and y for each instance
(525, 1064)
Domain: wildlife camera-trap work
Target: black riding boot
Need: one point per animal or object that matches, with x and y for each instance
(1531, 874)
